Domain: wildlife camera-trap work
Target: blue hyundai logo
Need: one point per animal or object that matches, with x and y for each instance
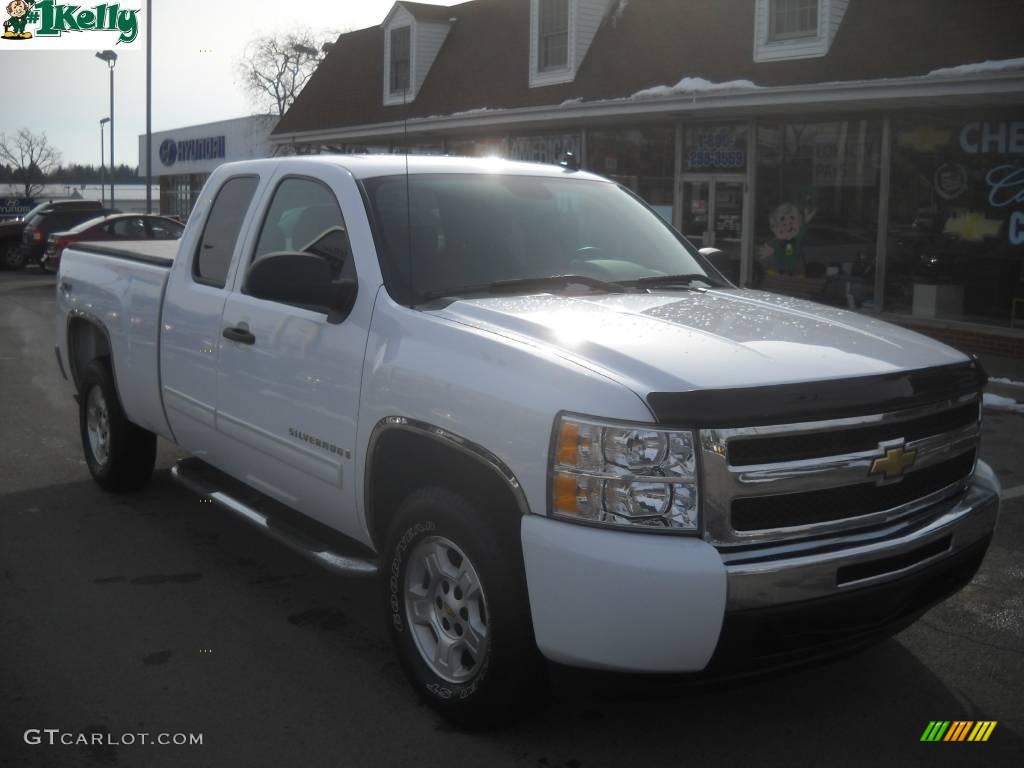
(168, 151)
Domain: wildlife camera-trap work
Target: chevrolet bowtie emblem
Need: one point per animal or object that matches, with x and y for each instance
(894, 463)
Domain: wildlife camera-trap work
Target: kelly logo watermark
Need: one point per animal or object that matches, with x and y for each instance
(33, 25)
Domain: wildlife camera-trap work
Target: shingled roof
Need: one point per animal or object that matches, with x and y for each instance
(427, 12)
(484, 62)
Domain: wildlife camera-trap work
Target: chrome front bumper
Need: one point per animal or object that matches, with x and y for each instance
(836, 566)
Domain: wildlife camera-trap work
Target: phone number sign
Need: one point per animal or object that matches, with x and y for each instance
(718, 149)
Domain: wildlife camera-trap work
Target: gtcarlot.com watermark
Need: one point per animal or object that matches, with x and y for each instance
(56, 737)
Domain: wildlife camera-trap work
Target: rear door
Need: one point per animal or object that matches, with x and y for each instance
(288, 400)
(191, 317)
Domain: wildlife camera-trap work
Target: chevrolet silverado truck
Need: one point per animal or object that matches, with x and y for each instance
(538, 414)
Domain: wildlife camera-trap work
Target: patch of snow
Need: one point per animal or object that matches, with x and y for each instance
(1000, 403)
(693, 85)
(478, 111)
(570, 102)
(1009, 381)
(980, 68)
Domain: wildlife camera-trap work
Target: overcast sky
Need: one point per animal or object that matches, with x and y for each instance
(66, 93)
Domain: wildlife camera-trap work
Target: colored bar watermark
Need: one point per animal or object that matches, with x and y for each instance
(958, 730)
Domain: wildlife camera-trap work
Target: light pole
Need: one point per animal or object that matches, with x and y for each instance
(111, 58)
(103, 122)
(149, 106)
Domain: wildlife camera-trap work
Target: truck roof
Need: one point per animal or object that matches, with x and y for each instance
(370, 166)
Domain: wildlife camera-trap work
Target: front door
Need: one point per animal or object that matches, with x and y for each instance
(288, 380)
(713, 217)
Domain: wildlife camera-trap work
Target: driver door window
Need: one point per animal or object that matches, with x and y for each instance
(304, 217)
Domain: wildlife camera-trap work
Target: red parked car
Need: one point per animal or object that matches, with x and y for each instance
(118, 226)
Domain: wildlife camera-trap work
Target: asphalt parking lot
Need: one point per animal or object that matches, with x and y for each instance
(155, 613)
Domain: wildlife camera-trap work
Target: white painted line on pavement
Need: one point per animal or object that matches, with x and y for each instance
(1013, 493)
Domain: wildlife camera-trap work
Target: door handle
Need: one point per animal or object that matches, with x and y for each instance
(241, 335)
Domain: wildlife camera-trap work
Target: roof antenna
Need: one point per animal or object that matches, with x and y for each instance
(569, 162)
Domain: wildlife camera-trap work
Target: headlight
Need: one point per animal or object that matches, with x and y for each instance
(624, 476)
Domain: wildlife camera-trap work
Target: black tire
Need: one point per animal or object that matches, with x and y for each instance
(511, 678)
(11, 256)
(130, 450)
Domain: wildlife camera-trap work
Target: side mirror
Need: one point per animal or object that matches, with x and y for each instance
(302, 280)
(720, 260)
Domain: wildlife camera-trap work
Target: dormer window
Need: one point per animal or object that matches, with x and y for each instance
(561, 32)
(793, 18)
(401, 41)
(553, 35)
(785, 30)
(413, 36)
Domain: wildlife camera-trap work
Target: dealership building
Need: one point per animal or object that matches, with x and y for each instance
(865, 154)
(184, 158)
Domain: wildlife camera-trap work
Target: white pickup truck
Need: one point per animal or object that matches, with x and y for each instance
(539, 413)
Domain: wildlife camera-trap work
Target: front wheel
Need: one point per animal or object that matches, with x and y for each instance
(459, 613)
(120, 455)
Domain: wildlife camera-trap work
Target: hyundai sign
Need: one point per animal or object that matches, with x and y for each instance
(13, 207)
(192, 150)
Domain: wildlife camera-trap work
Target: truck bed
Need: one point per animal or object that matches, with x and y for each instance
(159, 253)
(119, 287)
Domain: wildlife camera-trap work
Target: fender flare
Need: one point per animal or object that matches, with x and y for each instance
(446, 437)
(89, 319)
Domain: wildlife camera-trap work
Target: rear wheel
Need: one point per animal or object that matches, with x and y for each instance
(459, 613)
(120, 455)
(11, 256)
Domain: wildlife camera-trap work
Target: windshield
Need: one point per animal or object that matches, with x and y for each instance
(466, 231)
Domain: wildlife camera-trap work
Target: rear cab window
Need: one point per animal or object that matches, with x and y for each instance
(212, 258)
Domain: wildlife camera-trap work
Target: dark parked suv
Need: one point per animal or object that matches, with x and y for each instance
(44, 220)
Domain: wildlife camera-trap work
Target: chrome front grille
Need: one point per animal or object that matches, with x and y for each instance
(763, 485)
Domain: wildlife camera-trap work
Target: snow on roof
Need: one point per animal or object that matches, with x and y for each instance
(981, 68)
(693, 85)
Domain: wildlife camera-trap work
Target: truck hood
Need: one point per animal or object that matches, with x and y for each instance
(694, 339)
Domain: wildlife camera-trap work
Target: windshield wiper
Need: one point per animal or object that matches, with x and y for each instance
(684, 280)
(527, 283)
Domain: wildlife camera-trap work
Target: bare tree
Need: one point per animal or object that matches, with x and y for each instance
(274, 69)
(31, 157)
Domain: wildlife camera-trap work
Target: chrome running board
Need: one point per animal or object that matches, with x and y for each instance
(252, 506)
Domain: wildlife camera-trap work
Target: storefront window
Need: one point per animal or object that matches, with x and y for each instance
(477, 147)
(642, 159)
(418, 147)
(179, 193)
(956, 218)
(817, 210)
(548, 148)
